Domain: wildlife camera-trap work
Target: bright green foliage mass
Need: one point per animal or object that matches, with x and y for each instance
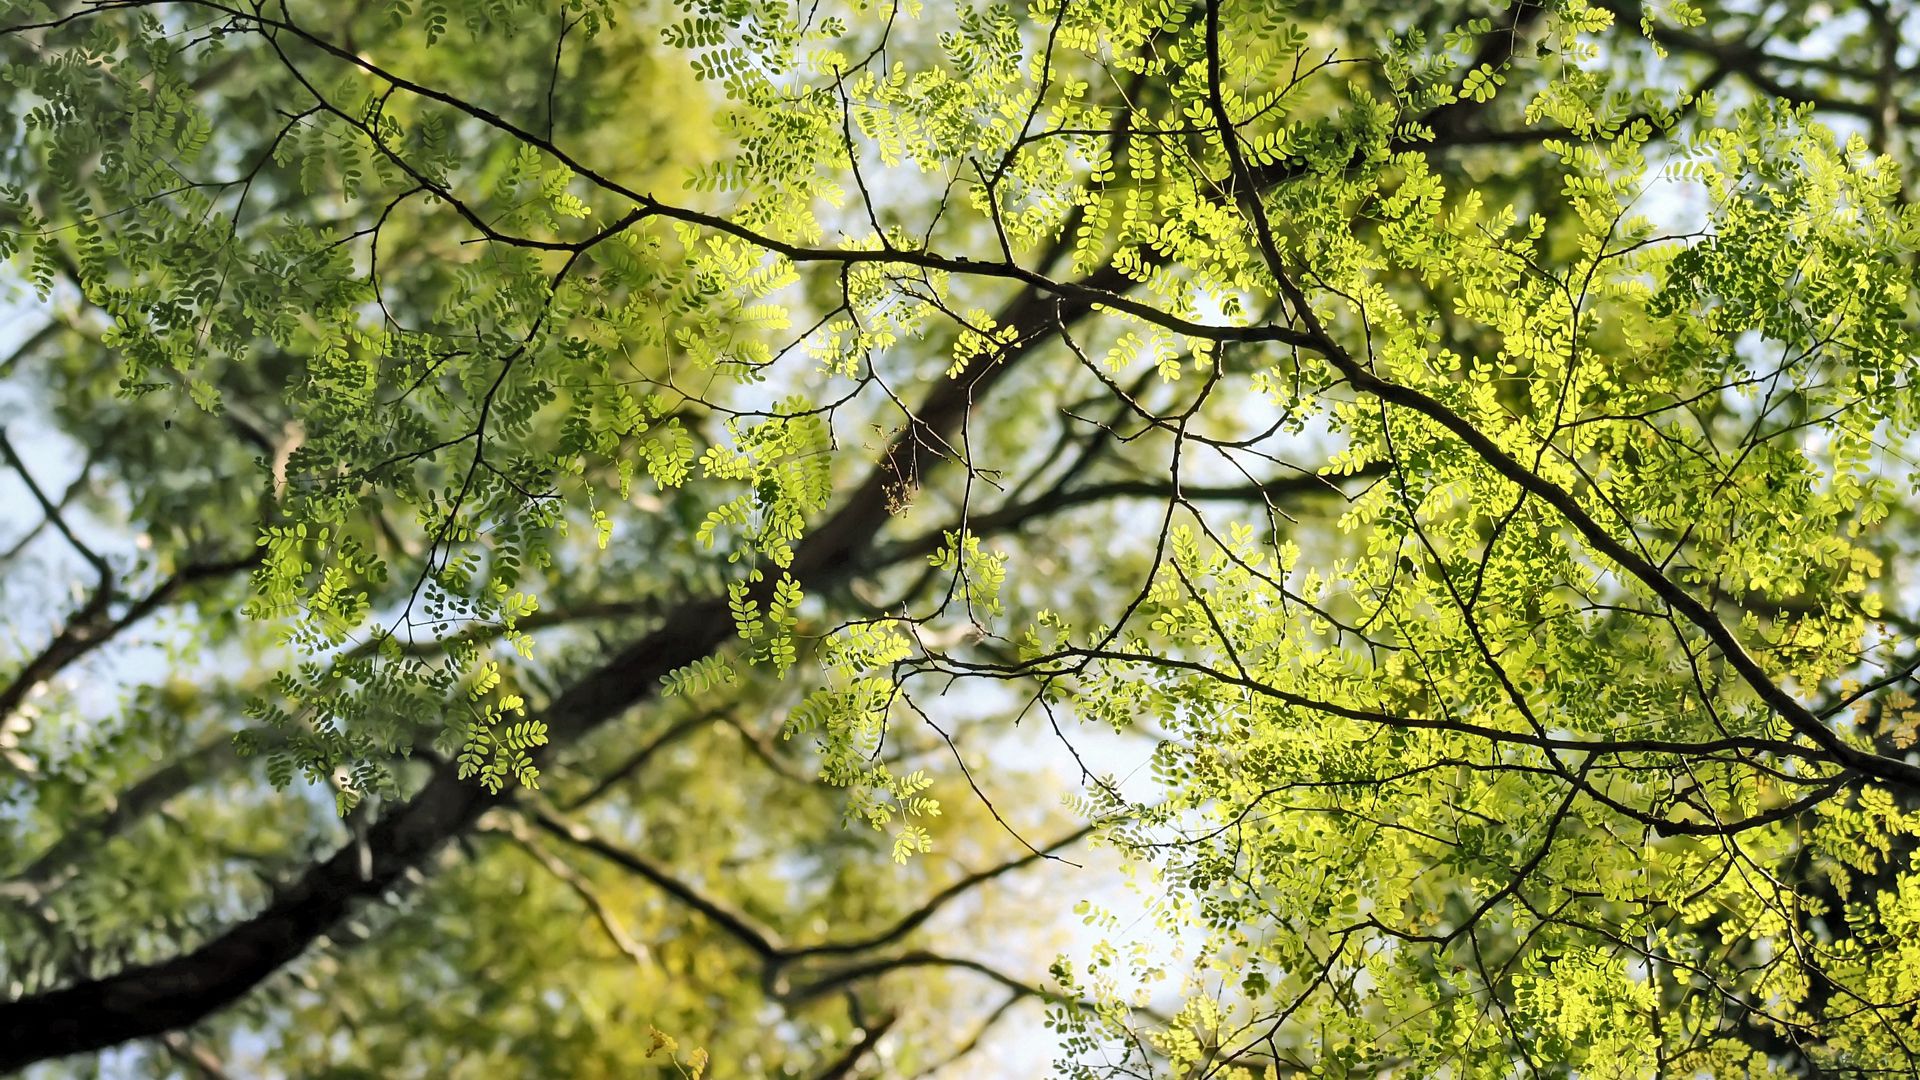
(640, 510)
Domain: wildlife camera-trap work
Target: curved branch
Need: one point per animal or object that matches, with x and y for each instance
(91, 628)
(740, 926)
(960, 887)
(842, 1067)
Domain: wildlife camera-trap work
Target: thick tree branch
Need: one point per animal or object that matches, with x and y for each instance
(148, 999)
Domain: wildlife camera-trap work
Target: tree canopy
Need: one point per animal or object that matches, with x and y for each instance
(749, 538)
